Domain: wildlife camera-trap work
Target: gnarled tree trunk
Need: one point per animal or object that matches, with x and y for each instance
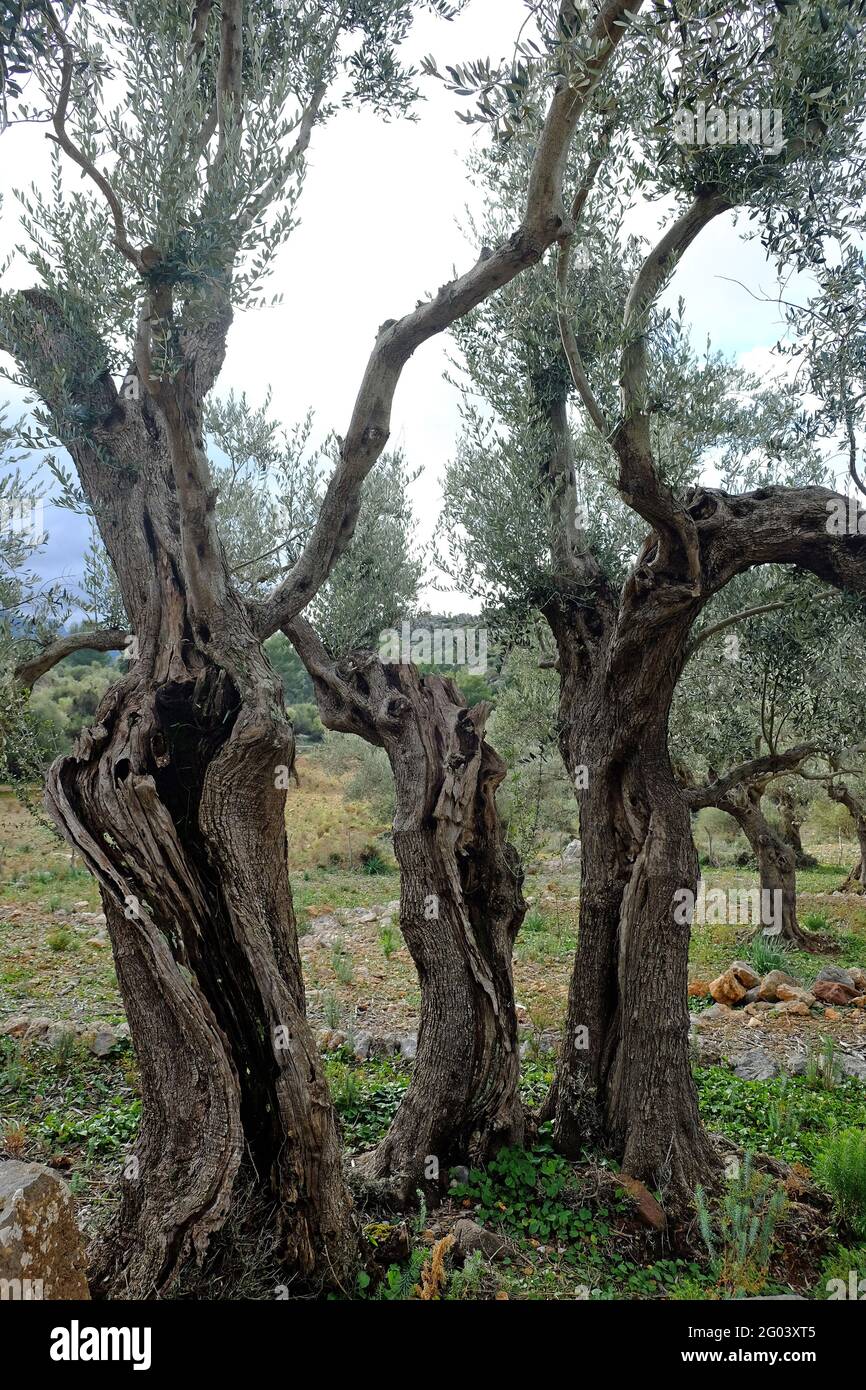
(842, 794)
(624, 1076)
(777, 864)
(171, 799)
(461, 906)
(791, 822)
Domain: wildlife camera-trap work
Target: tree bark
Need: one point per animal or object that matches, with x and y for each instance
(777, 863)
(791, 822)
(842, 794)
(461, 906)
(624, 1076)
(171, 800)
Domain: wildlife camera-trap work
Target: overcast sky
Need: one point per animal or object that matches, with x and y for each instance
(380, 218)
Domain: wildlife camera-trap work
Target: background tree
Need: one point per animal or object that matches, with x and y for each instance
(771, 682)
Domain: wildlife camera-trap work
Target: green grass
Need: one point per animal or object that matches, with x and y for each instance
(67, 1102)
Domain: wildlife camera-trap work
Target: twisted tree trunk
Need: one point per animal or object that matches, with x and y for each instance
(791, 822)
(172, 800)
(461, 906)
(777, 863)
(842, 794)
(624, 1076)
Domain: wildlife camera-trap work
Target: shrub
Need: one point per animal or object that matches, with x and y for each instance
(372, 862)
(816, 921)
(533, 921)
(388, 939)
(841, 1168)
(766, 955)
(341, 963)
(59, 940)
(823, 1066)
(740, 1243)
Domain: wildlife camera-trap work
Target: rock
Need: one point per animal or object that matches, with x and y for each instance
(786, 992)
(571, 853)
(791, 1006)
(770, 984)
(37, 1028)
(760, 1006)
(469, 1237)
(357, 914)
(648, 1209)
(409, 1046)
(58, 1032)
(39, 1235)
(713, 1012)
(698, 989)
(732, 986)
(750, 997)
(756, 1065)
(833, 1015)
(726, 989)
(15, 1027)
(754, 1021)
(833, 992)
(853, 1066)
(363, 1043)
(836, 975)
(100, 1041)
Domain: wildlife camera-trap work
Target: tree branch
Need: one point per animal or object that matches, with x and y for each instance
(740, 617)
(111, 639)
(638, 483)
(755, 770)
(121, 239)
(230, 70)
(563, 267)
(544, 222)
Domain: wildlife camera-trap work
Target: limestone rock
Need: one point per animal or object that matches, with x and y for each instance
(770, 984)
(756, 1065)
(834, 992)
(788, 992)
(836, 975)
(39, 1237)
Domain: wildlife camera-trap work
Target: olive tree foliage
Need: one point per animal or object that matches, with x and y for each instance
(270, 484)
(777, 665)
(536, 799)
(31, 609)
